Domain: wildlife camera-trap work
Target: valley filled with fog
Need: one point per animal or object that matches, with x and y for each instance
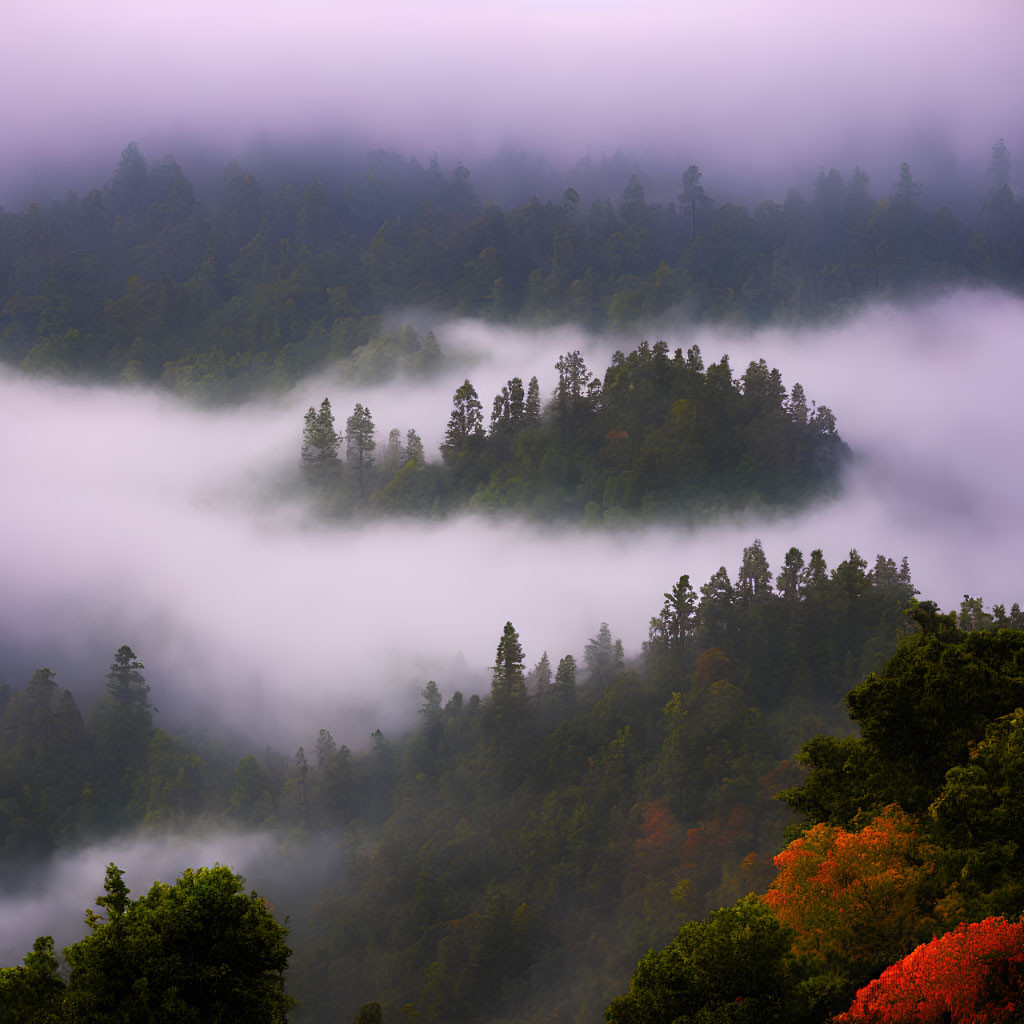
(136, 519)
(132, 517)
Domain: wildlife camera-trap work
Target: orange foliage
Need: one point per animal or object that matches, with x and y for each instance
(851, 895)
(973, 975)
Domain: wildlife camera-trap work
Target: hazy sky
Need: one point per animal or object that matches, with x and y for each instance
(133, 519)
(723, 83)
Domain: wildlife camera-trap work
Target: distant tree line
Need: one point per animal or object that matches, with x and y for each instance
(139, 280)
(660, 436)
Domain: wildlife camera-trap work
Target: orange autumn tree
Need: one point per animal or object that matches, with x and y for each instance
(852, 897)
(972, 975)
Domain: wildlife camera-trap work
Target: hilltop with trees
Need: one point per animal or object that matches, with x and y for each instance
(660, 436)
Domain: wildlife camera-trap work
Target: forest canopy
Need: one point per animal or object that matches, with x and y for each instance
(660, 436)
(140, 280)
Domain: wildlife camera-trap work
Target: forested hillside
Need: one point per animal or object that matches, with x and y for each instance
(514, 856)
(906, 869)
(139, 280)
(523, 848)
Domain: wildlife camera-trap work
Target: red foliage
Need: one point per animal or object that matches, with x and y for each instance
(973, 975)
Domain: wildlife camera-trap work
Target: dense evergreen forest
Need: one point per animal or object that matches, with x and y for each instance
(139, 280)
(799, 800)
(659, 437)
(513, 857)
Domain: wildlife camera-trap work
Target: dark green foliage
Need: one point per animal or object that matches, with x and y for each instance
(533, 846)
(919, 717)
(33, 993)
(660, 438)
(942, 733)
(735, 967)
(43, 753)
(515, 855)
(122, 723)
(979, 820)
(201, 950)
(138, 281)
(320, 441)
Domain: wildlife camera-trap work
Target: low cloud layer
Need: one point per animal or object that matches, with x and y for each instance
(736, 83)
(131, 518)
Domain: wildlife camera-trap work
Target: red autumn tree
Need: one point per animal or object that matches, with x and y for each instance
(852, 897)
(972, 975)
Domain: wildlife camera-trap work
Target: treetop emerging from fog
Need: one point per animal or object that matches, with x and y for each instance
(659, 438)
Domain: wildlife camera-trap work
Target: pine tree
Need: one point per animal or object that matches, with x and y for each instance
(126, 683)
(465, 425)
(509, 680)
(414, 448)
(360, 445)
(320, 441)
(531, 411)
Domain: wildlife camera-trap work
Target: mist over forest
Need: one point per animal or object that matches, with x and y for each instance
(672, 350)
(186, 533)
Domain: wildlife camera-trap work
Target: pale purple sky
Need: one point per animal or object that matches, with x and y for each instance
(724, 84)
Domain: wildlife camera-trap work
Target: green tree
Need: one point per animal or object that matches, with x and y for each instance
(563, 691)
(126, 684)
(201, 950)
(674, 627)
(369, 1013)
(33, 993)
(531, 410)
(122, 723)
(325, 747)
(735, 967)
(465, 425)
(508, 685)
(604, 656)
(979, 819)
(414, 448)
(320, 441)
(693, 196)
(577, 390)
(360, 445)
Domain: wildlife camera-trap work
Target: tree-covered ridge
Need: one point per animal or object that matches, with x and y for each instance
(660, 436)
(914, 835)
(139, 280)
(519, 851)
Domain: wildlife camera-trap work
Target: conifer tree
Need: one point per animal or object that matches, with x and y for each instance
(320, 441)
(360, 445)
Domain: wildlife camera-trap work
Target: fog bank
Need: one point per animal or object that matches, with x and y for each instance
(131, 518)
(773, 89)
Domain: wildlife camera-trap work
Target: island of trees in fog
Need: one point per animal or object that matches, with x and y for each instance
(661, 436)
